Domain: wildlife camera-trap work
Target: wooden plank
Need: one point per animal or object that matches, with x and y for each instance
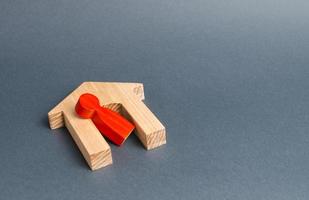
(149, 129)
(89, 140)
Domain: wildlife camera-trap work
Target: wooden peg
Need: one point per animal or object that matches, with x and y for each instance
(110, 123)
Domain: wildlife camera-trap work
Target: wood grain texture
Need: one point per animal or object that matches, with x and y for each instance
(125, 98)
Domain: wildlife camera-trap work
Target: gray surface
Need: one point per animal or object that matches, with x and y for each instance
(229, 79)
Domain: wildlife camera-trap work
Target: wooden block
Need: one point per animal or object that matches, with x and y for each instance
(121, 97)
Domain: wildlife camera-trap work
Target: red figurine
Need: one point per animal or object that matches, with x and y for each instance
(111, 124)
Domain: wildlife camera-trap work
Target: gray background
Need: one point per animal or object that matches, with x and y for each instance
(229, 79)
